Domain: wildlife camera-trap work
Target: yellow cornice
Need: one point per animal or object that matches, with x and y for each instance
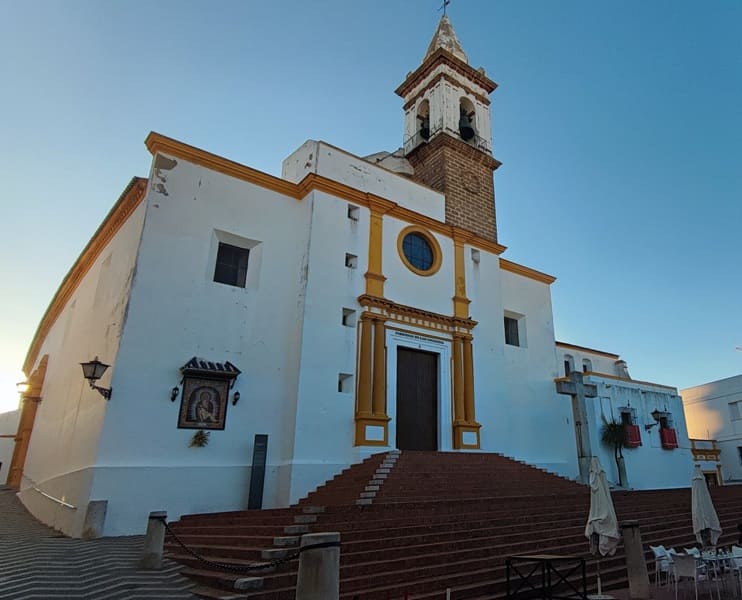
(586, 349)
(507, 265)
(157, 143)
(117, 216)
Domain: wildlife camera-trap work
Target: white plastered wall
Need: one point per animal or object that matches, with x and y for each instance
(529, 420)
(177, 311)
(709, 416)
(599, 362)
(338, 165)
(8, 429)
(648, 466)
(64, 442)
(325, 415)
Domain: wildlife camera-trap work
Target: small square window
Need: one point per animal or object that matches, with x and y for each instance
(351, 261)
(475, 257)
(354, 212)
(345, 383)
(231, 265)
(349, 317)
(511, 332)
(734, 412)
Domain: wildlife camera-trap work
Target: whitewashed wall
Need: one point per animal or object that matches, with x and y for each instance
(600, 363)
(530, 421)
(433, 293)
(8, 427)
(68, 422)
(338, 165)
(324, 415)
(648, 466)
(710, 416)
(178, 311)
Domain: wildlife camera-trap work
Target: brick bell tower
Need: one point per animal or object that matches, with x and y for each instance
(447, 132)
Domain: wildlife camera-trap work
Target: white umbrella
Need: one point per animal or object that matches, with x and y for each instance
(705, 520)
(602, 525)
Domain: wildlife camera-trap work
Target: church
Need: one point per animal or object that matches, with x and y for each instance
(353, 305)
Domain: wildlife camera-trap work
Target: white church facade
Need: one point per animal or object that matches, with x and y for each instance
(350, 306)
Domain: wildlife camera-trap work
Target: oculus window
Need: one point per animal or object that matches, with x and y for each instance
(419, 251)
(231, 265)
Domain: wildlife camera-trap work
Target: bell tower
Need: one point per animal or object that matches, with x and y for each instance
(447, 132)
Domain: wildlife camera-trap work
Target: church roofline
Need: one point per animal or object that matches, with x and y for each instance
(313, 182)
(512, 267)
(136, 190)
(586, 349)
(443, 56)
(127, 202)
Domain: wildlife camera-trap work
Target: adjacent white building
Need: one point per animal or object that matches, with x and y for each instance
(350, 306)
(8, 429)
(714, 412)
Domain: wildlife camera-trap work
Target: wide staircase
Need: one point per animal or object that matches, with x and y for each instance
(413, 524)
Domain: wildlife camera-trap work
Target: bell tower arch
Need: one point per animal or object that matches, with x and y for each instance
(447, 132)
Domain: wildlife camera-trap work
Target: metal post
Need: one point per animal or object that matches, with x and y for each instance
(154, 540)
(319, 568)
(636, 565)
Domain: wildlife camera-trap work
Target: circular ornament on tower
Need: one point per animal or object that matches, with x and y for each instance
(419, 251)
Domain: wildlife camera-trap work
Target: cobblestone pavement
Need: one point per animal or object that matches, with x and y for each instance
(37, 562)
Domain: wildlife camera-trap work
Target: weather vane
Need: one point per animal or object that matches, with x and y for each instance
(445, 4)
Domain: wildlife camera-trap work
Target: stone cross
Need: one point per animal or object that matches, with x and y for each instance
(574, 386)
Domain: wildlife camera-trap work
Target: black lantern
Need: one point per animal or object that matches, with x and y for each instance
(92, 371)
(656, 414)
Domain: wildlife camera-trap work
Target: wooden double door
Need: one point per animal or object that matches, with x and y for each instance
(417, 399)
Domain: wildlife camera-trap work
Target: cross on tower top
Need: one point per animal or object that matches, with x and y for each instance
(445, 4)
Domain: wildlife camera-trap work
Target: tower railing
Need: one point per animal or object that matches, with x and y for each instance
(413, 141)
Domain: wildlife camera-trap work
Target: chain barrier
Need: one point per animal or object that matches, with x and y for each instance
(245, 568)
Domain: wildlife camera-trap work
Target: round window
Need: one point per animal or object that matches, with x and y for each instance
(417, 251)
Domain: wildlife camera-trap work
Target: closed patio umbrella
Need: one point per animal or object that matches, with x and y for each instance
(602, 525)
(705, 520)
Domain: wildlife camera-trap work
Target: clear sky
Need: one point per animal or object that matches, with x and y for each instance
(619, 125)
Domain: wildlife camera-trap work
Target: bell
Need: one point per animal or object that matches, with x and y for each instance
(465, 128)
(425, 129)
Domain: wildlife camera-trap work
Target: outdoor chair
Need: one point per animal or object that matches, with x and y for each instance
(736, 564)
(662, 564)
(693, 552)
(686, 566)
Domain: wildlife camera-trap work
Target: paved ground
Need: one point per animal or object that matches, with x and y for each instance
(39, 563)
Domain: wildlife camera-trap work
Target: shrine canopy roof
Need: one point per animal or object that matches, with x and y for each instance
(209, 368)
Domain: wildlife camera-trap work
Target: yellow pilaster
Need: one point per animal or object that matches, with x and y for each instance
(364, 368)
(458, 383)
(465, 427)
(371, 419)
(374, 276)
(29, 406)
(379, 389)
(460, 301)
(468, 382)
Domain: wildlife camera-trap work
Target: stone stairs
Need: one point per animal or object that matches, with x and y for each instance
(422, 522)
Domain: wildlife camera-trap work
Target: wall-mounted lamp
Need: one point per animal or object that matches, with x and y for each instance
(235, 397)
(22, 387)
(174, 393)
(92, 371)
(656, 414)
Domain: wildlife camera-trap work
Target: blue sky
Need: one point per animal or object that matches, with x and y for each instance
(618, 125)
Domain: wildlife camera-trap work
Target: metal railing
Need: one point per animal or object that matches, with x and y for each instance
(35, 488)
(414, 140)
